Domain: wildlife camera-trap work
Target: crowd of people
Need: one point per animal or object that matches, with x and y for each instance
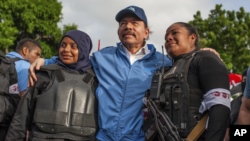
(78, 96)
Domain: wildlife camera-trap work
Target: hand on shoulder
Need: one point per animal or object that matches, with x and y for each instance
(212, 50)
(33, 67)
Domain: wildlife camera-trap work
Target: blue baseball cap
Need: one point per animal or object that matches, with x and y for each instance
(137, 11)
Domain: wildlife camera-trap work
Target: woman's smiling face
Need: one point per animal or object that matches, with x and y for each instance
(178, 40)
(68, 51)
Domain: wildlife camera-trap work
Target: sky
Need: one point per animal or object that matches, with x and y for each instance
(97, 17)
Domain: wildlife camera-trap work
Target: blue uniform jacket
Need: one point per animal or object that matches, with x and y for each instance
(121, 90)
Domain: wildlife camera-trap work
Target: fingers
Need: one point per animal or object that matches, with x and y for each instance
(212, 50)
(33, 67)
(32, 76)
(31, 81)
(209, 49)
(37, 66)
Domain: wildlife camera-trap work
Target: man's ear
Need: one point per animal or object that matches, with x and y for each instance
(147, 32)
(25, 51)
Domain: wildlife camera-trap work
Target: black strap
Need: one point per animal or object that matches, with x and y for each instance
(59, 75)
(89, 76)
(14, 59)
(186, 67)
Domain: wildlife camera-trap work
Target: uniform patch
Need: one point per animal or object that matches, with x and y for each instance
(13, 89)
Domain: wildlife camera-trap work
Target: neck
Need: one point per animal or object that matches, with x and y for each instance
(133, 49)
(24, 56)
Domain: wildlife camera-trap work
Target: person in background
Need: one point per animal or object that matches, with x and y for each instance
(235, 105)
(244, 113)
(61, 105)
(27, 50)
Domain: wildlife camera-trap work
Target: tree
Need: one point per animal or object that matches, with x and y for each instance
(228, 32)
(31, 19)
(66, 28)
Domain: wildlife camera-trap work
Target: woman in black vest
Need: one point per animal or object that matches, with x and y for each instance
(62, 104)
(196, 84)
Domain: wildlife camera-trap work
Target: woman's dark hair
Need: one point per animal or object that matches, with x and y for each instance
(191, 30)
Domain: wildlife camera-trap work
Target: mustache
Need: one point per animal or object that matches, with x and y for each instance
(128, 33)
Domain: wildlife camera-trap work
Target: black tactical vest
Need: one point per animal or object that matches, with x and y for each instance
(68, 105)
(8, 77)
(180, 101)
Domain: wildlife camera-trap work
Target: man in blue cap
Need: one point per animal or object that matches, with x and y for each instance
(124, 73)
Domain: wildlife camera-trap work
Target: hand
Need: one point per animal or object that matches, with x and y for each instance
(212, 50)
(33, 67)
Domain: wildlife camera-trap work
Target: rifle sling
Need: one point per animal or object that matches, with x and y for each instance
(198, 129)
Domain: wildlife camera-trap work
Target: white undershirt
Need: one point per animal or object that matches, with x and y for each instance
(138, 55)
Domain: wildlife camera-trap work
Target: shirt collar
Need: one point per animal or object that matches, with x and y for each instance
(143, 51)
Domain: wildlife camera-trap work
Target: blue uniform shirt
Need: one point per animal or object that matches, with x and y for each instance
(22, 68)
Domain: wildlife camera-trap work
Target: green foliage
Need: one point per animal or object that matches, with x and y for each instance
(228, 32)
(66, 28)
(31, 19)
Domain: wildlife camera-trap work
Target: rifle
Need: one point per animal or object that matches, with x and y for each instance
(166, 130)
(162, 125)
